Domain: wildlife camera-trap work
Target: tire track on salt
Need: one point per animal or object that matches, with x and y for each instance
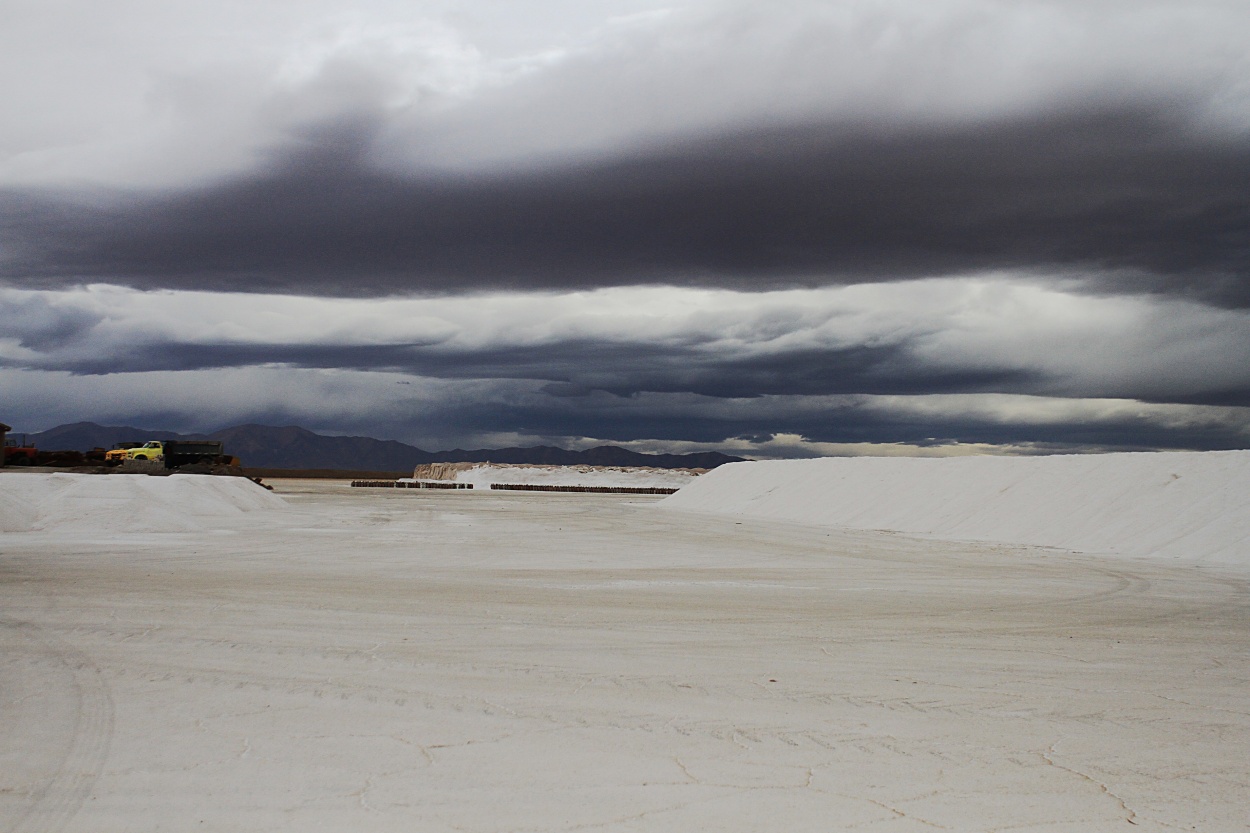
(59, 800)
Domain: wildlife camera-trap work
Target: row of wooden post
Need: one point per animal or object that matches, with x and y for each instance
(515, 487)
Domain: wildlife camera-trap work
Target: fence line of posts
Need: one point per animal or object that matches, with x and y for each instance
(515, 487)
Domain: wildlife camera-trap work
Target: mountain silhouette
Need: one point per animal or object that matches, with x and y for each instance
(292, 447)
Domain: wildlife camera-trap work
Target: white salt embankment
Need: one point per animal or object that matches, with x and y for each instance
(482, 475)
(1188, 506)
(126, 502)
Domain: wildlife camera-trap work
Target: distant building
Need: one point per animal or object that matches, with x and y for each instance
(4, 431)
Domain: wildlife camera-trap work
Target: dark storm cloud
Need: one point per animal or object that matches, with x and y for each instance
(38, 325)
(850, 424)
(579, 368)
(1234, 397)
(1134, 196)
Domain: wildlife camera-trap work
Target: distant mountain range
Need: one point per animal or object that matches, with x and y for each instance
(291, 447)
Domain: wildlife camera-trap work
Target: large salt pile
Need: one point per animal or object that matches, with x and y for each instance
(126, 502)
(1193, 506)
(482, 475)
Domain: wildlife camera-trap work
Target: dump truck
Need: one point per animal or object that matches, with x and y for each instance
(175, 454)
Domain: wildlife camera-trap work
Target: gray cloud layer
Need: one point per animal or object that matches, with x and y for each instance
(1017, 364)
(464, 180)
(1133, 199)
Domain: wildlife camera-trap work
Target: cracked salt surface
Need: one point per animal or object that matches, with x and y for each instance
(498, 662)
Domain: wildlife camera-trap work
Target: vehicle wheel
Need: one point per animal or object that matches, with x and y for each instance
(140, 457)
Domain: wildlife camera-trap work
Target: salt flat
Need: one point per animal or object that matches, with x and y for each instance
(476, 661)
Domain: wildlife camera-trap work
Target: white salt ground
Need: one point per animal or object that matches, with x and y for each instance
(400, 660)
(1187, 506)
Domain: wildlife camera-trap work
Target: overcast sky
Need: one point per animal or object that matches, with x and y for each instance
(773, 229)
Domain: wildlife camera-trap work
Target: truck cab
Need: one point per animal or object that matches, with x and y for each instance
(150, 450)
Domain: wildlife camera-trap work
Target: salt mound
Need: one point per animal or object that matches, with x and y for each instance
(17, 512)
(126, 502)
(1193, 506)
